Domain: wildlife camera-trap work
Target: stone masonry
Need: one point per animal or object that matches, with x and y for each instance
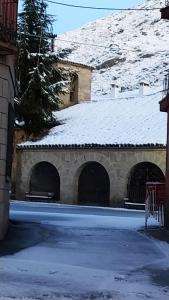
(70, 162)
(84, 74)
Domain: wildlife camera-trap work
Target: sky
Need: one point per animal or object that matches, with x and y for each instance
(67, 18)
(71, 18)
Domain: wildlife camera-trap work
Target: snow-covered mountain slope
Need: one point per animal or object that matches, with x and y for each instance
(126, 47)
(128, 120)
(132, 46)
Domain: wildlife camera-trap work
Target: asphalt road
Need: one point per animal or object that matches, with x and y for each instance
(72, 252)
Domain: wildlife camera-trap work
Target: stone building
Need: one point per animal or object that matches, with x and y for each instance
(8, 14)
(102, 153)
(79, 88)
(89, 174)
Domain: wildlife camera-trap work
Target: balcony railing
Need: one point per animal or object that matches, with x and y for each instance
(8, 20)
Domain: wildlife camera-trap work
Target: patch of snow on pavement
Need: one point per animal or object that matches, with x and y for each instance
(85, 257)
(122, 222)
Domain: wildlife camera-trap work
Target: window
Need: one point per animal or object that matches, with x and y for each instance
(74, 89)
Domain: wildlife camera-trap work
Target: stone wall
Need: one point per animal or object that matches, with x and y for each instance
(6, 97)
(70, 162)
(20, 136)
(84, 74)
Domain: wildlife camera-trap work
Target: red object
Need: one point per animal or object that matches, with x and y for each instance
(157, 190)
(8, 20)
(160, 193)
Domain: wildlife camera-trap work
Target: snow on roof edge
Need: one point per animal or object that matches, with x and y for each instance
(91, 146)
(64, 61)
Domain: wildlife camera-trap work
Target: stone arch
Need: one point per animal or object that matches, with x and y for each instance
(84, 158)
(35, 158)
(93, 185)
(139, 175)
(44, 177)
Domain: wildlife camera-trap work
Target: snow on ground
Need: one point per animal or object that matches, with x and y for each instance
(82, 256)
(91, 221)
(115, 121)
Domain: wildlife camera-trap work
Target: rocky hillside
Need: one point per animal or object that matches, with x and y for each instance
(125, 47)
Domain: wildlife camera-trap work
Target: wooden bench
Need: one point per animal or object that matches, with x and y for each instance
(34, 195)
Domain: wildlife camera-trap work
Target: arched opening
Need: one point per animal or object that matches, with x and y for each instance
(140, 174)
(74, 88)
(94, 185)
(45, 179)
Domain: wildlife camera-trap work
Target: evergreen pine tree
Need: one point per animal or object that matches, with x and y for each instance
(40, 83)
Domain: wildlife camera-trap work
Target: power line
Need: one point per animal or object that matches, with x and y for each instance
(126, 97)
(49, 35)
(95, 45)
(54, 36)
(103, 8)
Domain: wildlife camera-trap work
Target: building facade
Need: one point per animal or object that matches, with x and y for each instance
(78, 91)
(8, 15)
(79, 87)
(89, 175)
(102, 153)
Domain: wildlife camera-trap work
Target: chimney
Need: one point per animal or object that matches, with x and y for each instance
(115, 90)
(144, 88)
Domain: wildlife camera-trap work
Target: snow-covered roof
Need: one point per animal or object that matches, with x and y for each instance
(69, 62)
(129, 120)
